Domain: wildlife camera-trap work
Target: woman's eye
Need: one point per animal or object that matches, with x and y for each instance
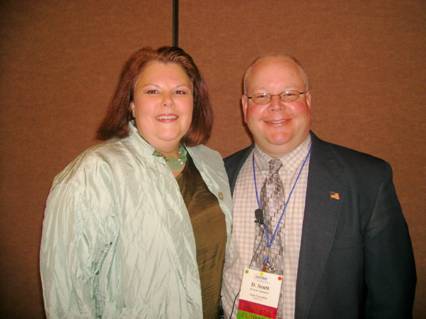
(152, 91)
(181, 92)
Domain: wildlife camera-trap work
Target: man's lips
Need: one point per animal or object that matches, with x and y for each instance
(277, 122)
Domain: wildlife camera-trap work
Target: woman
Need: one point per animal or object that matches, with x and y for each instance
(136, 227)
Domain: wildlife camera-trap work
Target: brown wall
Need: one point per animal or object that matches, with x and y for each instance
(60, 61)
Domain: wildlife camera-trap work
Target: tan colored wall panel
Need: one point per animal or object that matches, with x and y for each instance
(60, 62)
(366, 62)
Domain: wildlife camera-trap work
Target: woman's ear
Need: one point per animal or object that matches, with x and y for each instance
(132, 109)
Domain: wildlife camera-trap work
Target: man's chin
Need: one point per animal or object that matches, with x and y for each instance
(276, 148)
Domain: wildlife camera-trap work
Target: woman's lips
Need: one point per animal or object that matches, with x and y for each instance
(167, 117)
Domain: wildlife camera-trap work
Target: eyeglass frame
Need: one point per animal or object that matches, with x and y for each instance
(282, 96)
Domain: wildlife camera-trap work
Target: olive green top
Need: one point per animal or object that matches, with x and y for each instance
(208, 223)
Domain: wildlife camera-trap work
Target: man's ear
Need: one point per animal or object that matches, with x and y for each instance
(308, 99)
(244, 105)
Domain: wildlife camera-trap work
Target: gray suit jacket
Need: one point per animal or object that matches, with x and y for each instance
(356, 259)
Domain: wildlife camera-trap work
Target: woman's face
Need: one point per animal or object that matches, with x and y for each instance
(162, 106)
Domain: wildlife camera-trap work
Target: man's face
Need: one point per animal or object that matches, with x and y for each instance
(277, 127)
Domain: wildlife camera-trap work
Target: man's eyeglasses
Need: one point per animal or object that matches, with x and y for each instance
(286, 96)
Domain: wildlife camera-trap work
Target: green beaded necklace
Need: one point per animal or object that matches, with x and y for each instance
(175, 164)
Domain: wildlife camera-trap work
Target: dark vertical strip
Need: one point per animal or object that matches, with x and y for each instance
(175, 23)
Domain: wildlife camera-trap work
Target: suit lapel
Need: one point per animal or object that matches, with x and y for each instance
(234, 163)
(324, 198)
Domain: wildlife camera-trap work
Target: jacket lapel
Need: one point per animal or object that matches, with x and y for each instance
(324, 198)
(234, 163)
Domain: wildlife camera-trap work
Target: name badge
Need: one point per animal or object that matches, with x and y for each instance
(259, 295)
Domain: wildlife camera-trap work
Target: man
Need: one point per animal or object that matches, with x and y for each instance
(328, 221)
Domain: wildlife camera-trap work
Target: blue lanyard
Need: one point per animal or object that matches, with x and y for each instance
(269, 241)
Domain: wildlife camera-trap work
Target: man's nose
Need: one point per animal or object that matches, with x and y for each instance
(276, 103)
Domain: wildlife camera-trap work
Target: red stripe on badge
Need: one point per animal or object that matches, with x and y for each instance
(257, 309)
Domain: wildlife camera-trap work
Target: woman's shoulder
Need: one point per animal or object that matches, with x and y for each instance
(204, 153)
(94, 162)
(203, 150)
(208, 161)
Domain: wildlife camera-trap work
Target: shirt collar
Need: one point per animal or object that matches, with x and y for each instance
(146, 148)
(291, 161)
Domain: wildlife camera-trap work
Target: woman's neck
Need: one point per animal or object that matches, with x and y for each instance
(175, 160)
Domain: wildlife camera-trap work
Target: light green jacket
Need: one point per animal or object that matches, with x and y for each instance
(117, 238)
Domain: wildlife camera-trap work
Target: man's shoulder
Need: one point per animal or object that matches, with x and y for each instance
(234, 162)
(355, 160)
(239, 155)
(346, 151)
(238, 158)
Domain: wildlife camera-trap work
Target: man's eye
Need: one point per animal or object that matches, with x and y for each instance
(261, 96)
(289, 94)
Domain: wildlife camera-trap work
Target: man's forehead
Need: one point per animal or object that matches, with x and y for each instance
(272, 67)
(273, 62)
(274, 70)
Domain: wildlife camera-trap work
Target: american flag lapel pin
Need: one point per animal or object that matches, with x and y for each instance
(334, 195)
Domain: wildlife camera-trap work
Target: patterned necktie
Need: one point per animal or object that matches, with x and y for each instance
(272, 200)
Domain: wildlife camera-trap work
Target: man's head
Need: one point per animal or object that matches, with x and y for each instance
(277, 104)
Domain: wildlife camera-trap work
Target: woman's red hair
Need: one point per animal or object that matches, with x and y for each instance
(116, 121)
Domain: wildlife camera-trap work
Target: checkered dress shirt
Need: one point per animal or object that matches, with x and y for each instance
(240, 252)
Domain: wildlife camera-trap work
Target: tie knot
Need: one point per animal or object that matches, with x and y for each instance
(274, 166)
